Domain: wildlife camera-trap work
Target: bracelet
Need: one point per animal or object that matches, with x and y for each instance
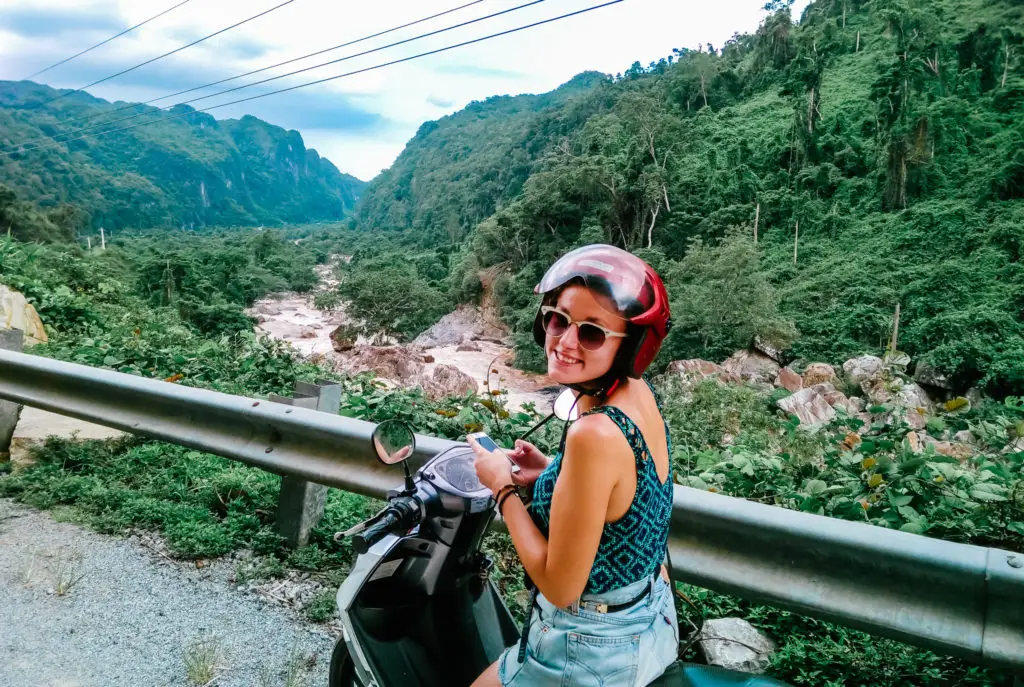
(503, 491)
(505, 497)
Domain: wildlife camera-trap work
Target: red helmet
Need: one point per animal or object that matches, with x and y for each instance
(632, 285)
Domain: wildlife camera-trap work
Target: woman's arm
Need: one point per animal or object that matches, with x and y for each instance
(561, 564)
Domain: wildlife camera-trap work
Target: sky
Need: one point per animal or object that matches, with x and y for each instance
(360, 122)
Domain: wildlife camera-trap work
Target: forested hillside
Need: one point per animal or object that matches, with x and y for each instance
(874, 147)
(190, 171)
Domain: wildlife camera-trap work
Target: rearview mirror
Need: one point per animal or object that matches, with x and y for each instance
(565, 406)
(394, 441)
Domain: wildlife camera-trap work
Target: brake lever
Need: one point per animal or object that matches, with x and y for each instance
(338, 536)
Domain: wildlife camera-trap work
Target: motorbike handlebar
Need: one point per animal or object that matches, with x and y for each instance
(362, 542)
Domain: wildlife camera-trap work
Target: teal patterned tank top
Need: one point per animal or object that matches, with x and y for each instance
(632, 547)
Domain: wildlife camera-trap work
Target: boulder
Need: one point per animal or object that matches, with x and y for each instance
(390, 362)
(824, 388)
(18, 313)
(856, 404)
(770, 348)
(308, 333)
(448, 380)
(735, 644)
(914, 442)
(269, 309)
(468, 347)
(837, 399)
(695, 370)
(857, 370)
(752, 366)
(343, 338)
(1015, 446)
(929, 376)
(913, 396)
(974, 396)
(455, 327)
(965, 436)
(789, 380)
(954, 449)
(809, 406)
(819, 373)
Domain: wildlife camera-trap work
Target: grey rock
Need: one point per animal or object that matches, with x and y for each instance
(735, 644)
(929, 376)
(858, 370)
(752, 366)
(965, 436)
(770, 348)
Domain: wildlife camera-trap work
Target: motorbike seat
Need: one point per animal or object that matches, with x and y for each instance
(690, 675)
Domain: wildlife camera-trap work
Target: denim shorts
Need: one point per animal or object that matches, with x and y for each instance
(576, 646)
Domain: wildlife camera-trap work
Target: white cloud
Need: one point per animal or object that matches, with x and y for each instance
(404, 95)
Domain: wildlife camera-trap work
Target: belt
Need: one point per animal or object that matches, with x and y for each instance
(598, 607)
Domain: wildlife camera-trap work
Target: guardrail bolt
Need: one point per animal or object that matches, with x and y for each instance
(1014, 562)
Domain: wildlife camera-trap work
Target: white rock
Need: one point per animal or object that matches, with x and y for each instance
(859, 369)
(735, 644)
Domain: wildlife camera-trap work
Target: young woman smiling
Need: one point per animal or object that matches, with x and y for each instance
(593, 527)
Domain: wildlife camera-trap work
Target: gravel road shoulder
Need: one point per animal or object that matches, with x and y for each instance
(127, 618)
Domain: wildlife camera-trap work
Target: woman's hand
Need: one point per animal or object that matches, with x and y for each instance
(492, 467)
(530, 460)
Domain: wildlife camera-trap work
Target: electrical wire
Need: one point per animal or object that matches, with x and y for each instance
(168, 54)
(263, 69)
(330, 78)
(300, 71)
(102, 43)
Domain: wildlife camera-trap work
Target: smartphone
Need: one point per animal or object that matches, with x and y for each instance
(488, 443)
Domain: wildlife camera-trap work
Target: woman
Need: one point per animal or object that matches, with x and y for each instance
(593, 538)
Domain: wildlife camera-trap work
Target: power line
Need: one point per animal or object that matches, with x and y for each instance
(306, 69)
(330, 78)
(257, 71)
(102, 43)
(172, 52)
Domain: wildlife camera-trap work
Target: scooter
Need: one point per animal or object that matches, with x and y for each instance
(419, 607)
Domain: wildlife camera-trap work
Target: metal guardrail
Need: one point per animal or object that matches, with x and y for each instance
(951, 598)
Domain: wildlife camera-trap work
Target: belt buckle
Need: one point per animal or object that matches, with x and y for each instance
(594, 606)
(601, 608)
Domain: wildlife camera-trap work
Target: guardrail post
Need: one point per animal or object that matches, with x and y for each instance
(10, 340)
(301, 503)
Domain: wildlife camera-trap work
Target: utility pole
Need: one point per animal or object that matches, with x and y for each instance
(895, 329)
(88, 243)
(857, 49)
(796, 240)
(757, 216)
(103, 239)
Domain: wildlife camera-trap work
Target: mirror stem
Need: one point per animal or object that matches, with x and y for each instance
(410, 486)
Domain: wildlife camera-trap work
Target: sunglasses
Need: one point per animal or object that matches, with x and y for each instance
(591, 336)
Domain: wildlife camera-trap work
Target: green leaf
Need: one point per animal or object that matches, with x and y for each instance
(815, 487)
(1017, 527)
(898, 500)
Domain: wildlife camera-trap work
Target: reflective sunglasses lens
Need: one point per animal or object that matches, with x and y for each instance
(591, 337)
(555, 323)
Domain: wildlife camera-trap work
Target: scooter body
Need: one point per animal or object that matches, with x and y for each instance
(419, 608)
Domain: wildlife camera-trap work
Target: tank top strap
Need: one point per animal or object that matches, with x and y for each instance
(625, 423)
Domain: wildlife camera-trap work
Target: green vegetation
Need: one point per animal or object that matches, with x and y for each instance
(891, 132)
(206, 506)
(192, 171)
